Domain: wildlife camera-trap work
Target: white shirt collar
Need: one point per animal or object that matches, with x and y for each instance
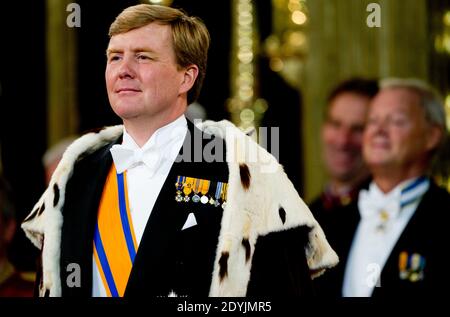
(158, 149)
(160, 137)
(383, 198)
(374, 200)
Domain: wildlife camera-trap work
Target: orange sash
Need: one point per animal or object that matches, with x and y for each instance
(114, 240)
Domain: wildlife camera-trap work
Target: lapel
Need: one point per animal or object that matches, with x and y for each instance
(414, 239)
(342, 226)
(165, 250)
(83, 194)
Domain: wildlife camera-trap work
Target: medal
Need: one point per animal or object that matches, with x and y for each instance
(417, 266)
(179, 186)
(204, 190)
(197, 186)
(211, 197)
(384, 217)
(204, 200)
(411, 267)
(218, 194)
(187, 189)
(223, 194)
(200, 191)
(402, 265)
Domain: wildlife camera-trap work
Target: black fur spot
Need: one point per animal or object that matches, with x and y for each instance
(250, 132)
(247, 248)
(94, 130)
(41, 209)
(245, 175)
(32, 215)
(56, 193)
(282, 213)
(314, 272)
(223, 265)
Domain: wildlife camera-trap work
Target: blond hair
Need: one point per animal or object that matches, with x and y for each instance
(189, 35)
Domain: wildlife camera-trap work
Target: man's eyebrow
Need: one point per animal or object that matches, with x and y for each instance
(112, 50)
(142, 49)
(136, 49)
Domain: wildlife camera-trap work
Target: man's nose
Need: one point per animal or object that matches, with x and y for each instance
(126, 69)
(344, 137)
(380, 125)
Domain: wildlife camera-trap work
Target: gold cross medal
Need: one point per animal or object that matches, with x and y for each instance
(187, 189)
(179, 186)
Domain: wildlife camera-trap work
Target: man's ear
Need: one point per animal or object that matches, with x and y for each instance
(190, 75)
(435, 135)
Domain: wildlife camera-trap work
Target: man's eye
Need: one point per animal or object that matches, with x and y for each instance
(399, 121)
(357, 129)
(113, 58)
(143, 57)
(334, 124)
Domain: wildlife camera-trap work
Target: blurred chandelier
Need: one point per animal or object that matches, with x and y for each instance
(287, 46)
(160, 2)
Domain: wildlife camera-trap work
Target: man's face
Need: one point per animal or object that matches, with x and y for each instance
(342, 136)
(397, 135)
(142, 76)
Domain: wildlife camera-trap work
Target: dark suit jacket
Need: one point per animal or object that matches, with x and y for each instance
(168, 258)
(425, 234)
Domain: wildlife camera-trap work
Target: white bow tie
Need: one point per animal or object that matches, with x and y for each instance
(371, 202)
(371, 205)
(124, 157)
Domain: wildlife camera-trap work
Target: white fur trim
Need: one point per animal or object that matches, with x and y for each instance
(247, 215)
(255, 212)
(45, 230)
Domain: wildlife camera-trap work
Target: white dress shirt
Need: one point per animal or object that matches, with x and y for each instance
(383, 219)
(145, 182)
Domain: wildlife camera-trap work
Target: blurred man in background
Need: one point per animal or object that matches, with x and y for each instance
(392, 242)
(345, 118)
(53, 155)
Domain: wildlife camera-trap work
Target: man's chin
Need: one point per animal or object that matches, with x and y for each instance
(126, 112)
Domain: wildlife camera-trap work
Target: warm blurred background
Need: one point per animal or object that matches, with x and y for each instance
(272, 63)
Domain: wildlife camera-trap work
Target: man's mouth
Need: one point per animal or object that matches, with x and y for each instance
(127, 90)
